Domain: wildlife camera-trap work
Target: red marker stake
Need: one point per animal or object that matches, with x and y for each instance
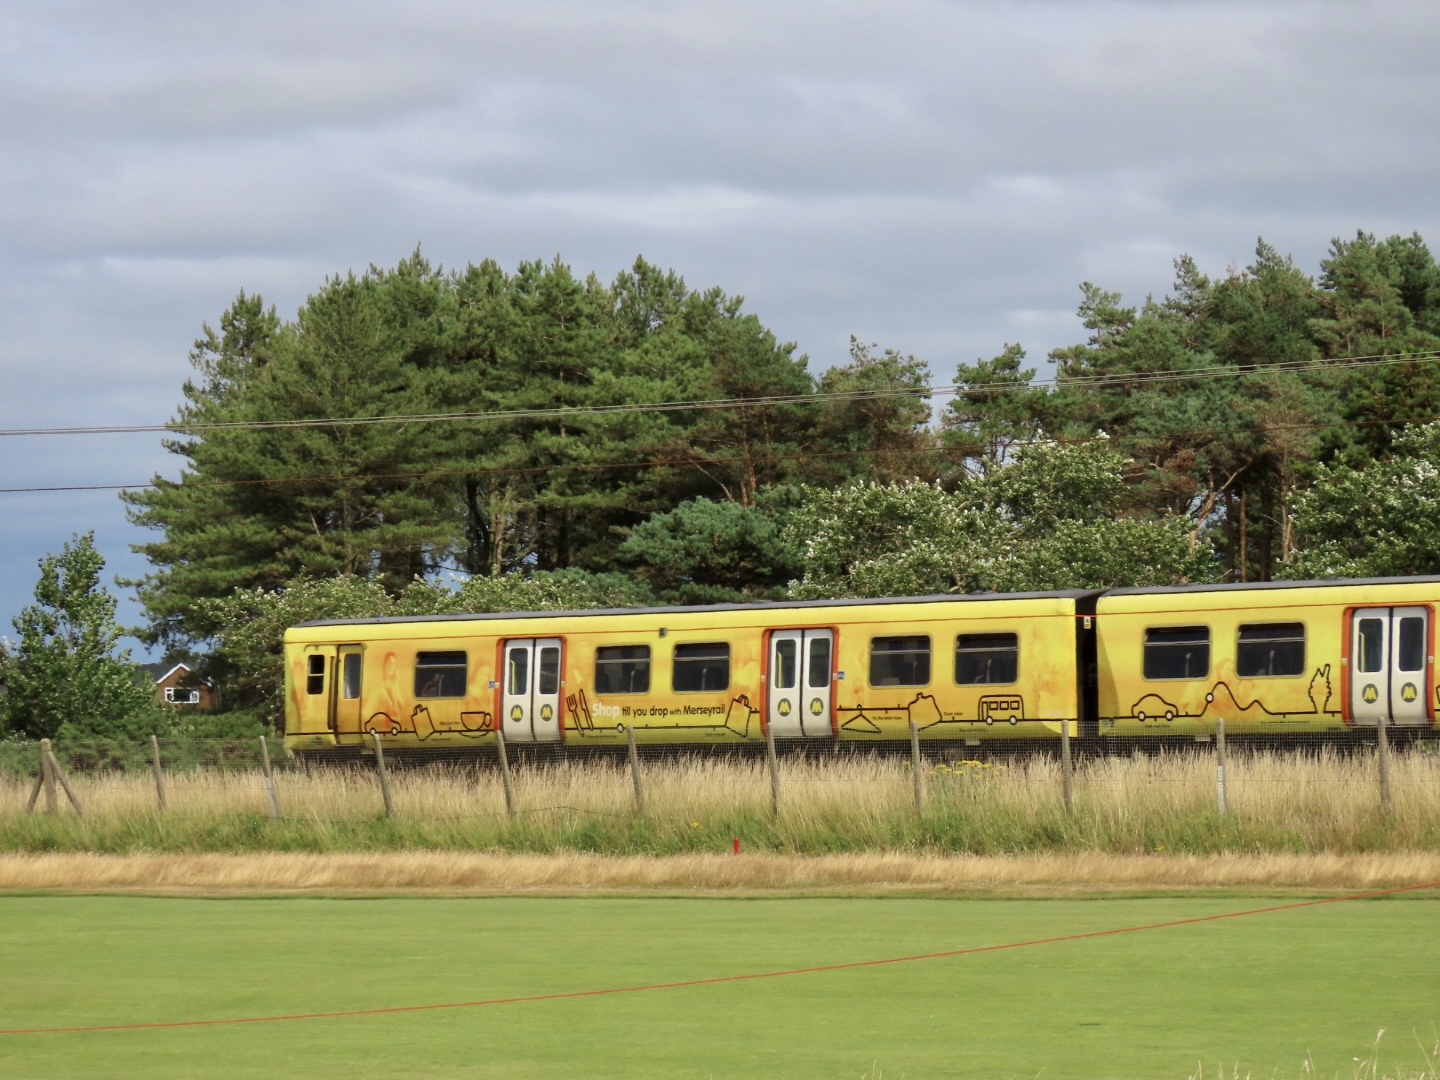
(737, 845)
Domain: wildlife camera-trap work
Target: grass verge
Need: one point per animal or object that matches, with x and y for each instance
(583, 873)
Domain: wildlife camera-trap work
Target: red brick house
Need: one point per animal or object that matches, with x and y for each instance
(179, 687)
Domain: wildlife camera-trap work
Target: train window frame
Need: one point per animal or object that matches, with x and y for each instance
(517, 668)
(885, 653)
(1411, 643)
(1370, 656)
(819, 662)
(987, 648)
(547, 670)
(632, 671)
(315, 674)
(785, 670)
(1266, 637)
(350, 670)
(700, 662)
(439, 674)
(1166, 643)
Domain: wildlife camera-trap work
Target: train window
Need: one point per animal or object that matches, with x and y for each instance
(547, 673)
(315, 675)
(701, 667)
(1273, 649)
(622, 669)
(517, 671)
(1372, 645)
(350, 676)
(1177, 652)
(819, 674)
(440, 674)
(981, 659)
(1412, 644)
(900, 661)
(785, 666)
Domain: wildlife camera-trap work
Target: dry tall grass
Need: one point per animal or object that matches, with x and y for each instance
(1167, 804)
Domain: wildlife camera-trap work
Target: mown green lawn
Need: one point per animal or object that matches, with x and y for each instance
(1250, 996)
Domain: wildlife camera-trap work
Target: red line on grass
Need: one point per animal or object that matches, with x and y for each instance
(564, 995)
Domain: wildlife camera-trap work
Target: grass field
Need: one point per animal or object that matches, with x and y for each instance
(1298, 993)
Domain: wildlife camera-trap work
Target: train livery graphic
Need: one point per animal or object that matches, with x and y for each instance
(1268, 659)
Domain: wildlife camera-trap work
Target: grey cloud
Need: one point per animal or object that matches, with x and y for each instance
(934, 176)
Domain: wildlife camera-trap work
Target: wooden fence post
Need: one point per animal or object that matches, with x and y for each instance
(915, 768)
(57, 774)
(635, 770)
(774, 770)
(1221, 795)
(1067, 772)
(384, 776)
(39, 784)
(159, 774)
(47, 774)
(505, 773)
(35, 791)
(1382, 742)
(269, 778)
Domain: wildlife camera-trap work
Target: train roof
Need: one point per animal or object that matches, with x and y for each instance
(1263, 586)
(758, 605)
(1077, 595)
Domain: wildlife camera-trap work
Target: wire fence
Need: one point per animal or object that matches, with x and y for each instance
(1313, 791)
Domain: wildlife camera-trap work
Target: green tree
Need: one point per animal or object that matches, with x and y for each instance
(1219, 394)
(284, 475)
(913, 539)
(1051, 517)
(1264, 318)
(763, 433)
(66, 675)
(351, 501)
(563, 338)
(995, 411)
(874, 417)
(706, 552)
(209, 529)
(1381, 299)
(1379, 520)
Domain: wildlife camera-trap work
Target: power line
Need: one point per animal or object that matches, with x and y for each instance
(660, 463)
(1132, 380)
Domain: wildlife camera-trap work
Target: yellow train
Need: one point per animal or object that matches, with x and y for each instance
(1268, 659)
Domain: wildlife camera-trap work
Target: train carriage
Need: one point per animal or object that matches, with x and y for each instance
(1267, 659)
(958, 667)
(1273, 660)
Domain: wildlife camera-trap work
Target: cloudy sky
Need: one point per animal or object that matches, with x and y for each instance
(936, 176)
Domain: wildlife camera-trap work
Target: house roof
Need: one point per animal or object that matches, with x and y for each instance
(183, 668)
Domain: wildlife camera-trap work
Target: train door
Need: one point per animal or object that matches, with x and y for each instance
(311, 708)
(1390, 665)
(798, 693)
(345, 690)
(530, 695)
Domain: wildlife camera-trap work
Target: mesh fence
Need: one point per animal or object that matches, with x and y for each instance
(1133, 794)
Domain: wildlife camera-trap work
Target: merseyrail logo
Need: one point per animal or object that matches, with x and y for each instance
(1408, 692)
(816, 706)
(784, 708)
(1371, 695)
(547, 712)
(517, 714)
